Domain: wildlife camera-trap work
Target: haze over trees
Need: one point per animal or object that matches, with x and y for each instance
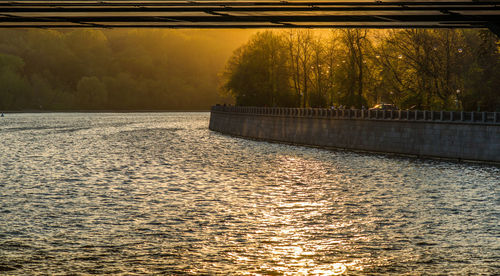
(162, 69)
(413, 68)
(113, 69)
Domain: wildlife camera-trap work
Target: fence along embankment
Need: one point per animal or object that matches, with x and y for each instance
(438, 134)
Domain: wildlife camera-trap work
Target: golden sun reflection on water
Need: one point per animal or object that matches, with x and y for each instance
(307, 223)
(290, 247)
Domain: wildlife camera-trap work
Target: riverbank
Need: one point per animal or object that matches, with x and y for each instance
(468, 136)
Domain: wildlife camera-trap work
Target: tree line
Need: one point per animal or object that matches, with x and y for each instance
(113, 69)
(431, 69)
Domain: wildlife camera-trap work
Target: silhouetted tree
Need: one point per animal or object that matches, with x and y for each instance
(257, 73)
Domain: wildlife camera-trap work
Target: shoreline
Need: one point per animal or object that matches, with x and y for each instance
(420, 134)
(369, 152)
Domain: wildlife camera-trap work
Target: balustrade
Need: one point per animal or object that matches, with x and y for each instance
(356, 114)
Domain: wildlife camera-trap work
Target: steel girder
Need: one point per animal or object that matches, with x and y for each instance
(250, 14)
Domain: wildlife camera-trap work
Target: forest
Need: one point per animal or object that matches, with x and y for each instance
(158, 69)
(425, 69)
(127, 69)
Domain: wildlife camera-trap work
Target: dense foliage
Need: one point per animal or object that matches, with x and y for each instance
(412, 68)
(113, 69)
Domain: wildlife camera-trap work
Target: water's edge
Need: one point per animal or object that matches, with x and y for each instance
(458, 142)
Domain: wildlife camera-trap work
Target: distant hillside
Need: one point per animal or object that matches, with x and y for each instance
(113, 69)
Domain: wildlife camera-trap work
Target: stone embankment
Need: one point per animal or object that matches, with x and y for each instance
(456, 135)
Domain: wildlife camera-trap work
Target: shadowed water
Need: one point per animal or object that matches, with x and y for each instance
(159, 193)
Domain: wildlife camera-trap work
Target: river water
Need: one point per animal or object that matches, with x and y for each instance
(159, 193)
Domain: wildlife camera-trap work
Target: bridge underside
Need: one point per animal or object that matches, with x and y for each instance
(250, 14)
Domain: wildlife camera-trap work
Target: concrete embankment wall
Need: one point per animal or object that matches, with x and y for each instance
(454, 135)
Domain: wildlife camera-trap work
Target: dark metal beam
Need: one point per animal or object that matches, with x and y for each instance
(249, 14)
(494, 27)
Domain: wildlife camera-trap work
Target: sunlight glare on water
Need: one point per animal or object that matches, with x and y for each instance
(159, 193)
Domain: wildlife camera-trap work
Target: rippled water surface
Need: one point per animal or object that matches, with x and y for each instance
(161, 194)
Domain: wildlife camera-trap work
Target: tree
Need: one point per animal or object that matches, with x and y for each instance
(355, 42)
(257, 73)
(15, 89)
(91, 93)
(300, 62)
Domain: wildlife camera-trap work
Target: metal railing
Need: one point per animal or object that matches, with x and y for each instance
(357, 114)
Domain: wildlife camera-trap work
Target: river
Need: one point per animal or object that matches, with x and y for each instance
(159, 193)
